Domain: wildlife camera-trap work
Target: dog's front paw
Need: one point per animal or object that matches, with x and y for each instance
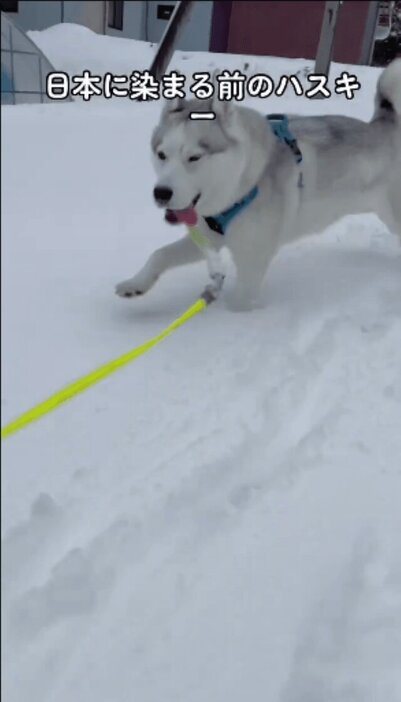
(128, 289)
(133, 287)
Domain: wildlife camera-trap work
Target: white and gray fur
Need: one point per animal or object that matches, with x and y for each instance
(349, 167)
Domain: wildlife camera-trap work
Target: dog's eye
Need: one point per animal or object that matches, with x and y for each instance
(194, 158)
(162, 156)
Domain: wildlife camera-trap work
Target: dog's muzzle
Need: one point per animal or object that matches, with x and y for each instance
(184, 216)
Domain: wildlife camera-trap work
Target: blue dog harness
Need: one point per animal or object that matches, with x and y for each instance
(280, 127)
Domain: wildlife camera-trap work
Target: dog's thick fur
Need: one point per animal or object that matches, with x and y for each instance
(349, 167)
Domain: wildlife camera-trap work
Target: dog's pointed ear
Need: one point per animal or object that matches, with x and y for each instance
(221, 108)
(173, 106)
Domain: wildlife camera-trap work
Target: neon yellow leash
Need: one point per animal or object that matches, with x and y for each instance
(95, 376)
(76, 387)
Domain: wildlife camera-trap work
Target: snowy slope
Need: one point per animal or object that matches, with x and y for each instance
(220, 521)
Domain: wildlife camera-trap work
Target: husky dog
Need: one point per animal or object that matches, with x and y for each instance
(205, 167)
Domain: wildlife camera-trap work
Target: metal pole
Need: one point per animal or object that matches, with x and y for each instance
(104, 17)
(169, 39)
(369, 35)
(327, 36)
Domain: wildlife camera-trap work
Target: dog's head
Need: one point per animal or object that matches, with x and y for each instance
(198, 162)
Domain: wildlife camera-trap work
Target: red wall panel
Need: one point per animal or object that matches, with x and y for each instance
(292, 28)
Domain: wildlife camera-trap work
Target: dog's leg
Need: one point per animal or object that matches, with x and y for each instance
(246, 294)
(179, 253)
(391, 216)
(249, 279)
(395, 225)
(251, 262)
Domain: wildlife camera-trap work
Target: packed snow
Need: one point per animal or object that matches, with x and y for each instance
(220, 521)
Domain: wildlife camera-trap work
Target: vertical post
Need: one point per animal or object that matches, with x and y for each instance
(327, 36)
(369, 34)
(105, 16)
(168, 41)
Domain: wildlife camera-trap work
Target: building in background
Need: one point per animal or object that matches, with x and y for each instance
(284, 28)
(388, 44)
(23, 67)
(367, 31)
(292, 28)
(133, 19)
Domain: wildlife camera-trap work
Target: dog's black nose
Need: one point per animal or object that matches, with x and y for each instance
(162, 194)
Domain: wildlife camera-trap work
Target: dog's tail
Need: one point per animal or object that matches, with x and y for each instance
(388, 93)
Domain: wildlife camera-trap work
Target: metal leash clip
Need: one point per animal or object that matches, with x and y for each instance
(213, 290)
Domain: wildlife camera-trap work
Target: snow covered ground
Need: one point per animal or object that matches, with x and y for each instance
(221, 520)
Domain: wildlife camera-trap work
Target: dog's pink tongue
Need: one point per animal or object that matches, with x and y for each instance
(187, 216)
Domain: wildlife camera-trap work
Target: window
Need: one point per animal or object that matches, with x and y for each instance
(164, 12)
(116, 13)
(9, 6)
